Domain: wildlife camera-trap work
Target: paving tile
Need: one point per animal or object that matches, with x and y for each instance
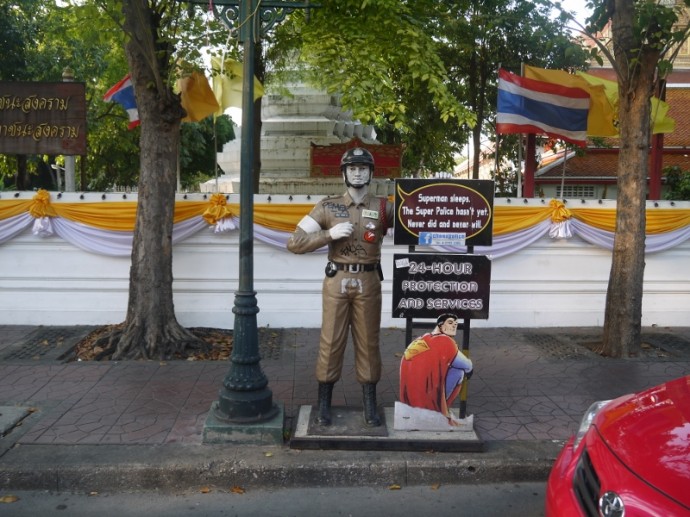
(517, 392)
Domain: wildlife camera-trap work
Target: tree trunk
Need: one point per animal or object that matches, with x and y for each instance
(623, 318)
(21, 182)
(476, 149)
(151, 329)
(622, 321)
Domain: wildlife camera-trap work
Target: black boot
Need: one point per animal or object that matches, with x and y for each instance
(371, 417)
(324, 410)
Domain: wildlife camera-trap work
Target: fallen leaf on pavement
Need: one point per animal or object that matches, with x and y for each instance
(268, 454)
(205, 490)
(394, 487)
(436, 486)
(9, 499)
(237, 490)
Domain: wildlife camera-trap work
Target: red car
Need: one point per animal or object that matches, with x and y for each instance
(630, 457)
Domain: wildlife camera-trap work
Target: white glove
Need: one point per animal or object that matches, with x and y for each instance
(341, 230)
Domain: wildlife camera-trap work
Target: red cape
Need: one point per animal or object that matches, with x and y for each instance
(423, 371)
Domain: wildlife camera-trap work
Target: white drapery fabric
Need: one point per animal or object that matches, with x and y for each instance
(670, 229)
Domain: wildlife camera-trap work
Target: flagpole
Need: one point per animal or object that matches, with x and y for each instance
(565, 159)
(498, 141)
(519, 167)
(215, 153)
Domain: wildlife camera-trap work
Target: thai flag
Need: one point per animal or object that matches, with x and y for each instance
(123, 93)
(529, 106)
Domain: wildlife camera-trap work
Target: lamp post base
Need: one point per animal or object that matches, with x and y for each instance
(269, 431)
(245, 407)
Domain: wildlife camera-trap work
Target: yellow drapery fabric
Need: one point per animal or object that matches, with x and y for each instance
(118, 215)
(601, 218)
(660, 220)
(276, 216)
(283, 217)
(14, 207)
(187, 209)
(508, 219)
(121, 215)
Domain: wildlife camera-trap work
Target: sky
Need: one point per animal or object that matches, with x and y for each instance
(577, 7)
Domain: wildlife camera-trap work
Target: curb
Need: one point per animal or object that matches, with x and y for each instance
(96, 468)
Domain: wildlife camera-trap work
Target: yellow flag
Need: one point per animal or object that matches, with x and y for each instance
(600, 120)
(227, 84)
(661, 122)
(197, 97)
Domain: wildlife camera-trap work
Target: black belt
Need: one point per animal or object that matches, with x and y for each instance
(355, 268)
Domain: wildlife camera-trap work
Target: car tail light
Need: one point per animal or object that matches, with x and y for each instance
(586, 485)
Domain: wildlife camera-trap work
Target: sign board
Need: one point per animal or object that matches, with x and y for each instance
(42, 118)
(426, 285)
(444, 212)
(324, 160)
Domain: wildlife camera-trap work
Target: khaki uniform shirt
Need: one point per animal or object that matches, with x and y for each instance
(371, 219)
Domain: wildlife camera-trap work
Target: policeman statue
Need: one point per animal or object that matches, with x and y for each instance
(353, 226)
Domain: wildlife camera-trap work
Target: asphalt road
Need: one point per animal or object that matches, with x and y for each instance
(486, 500)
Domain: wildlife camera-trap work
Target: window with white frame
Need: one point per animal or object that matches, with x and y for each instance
(575, 191)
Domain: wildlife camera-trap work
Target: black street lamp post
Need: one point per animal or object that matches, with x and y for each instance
(245, 396)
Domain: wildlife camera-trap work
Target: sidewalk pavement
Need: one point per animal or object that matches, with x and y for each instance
(113, 426)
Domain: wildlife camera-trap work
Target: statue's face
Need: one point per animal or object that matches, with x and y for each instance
(449, 327)
(358, 175)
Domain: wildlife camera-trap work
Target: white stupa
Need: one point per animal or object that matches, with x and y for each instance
(291, 123)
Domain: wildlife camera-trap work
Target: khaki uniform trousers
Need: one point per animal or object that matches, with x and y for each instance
(350, 301)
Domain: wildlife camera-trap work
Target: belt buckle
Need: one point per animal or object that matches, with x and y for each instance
(354, 268)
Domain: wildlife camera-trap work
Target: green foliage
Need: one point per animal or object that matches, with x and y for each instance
(113, 157)
(678, 182)
(198, 152)
(423, 71)
(485, 36)
(17, 30)
(375, 54)
(42, 38)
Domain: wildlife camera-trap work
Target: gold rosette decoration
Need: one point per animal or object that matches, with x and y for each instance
(560, 221)
(218, 214)
(41, 210)
(40, 206)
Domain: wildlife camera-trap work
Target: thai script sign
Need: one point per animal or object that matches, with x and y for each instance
(426, 285)
(325, 159)
(42, 118)
(444, 212)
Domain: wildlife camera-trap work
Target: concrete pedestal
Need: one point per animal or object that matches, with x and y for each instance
(348, 432)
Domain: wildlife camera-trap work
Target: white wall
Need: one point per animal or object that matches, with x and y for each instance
(47, 281)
